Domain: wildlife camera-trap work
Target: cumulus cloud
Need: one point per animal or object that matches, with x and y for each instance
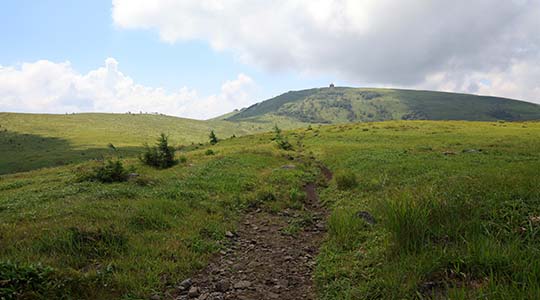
(45, 86)
(519, 81)
(406, 43)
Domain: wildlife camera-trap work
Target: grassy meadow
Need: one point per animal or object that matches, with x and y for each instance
(32, 141)
(135, 239)
(456, 208)
(456, 204)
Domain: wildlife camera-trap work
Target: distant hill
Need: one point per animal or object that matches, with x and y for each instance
(344, 104)
(31, 141)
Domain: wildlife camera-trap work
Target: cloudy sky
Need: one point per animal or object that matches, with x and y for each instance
(203, 58)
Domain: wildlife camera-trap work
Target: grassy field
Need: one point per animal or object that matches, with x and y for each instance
(456, 205)
(32, 141)
(135, 239)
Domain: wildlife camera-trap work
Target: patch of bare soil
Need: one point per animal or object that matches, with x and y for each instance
(261, 260)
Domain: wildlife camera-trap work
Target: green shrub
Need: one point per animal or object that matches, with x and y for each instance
(209, 152)
(281, 141)
(110, 171)
(284, 144)
(277, 131)
(182, 159)
(160, 156)
(213, 138)
(346, 180)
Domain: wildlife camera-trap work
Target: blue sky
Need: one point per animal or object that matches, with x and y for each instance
(201, 58)
(83, 33)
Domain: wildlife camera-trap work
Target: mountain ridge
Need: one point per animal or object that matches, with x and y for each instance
(347, 104)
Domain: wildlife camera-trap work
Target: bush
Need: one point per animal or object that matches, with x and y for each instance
(213, 138)
(160, 156)
(282, 142)
(346, 180)
(209, 152)
(110, 171)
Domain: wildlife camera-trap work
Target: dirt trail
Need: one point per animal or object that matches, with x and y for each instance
(261, 261)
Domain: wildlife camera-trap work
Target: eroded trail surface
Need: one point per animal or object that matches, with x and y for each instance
(262, 260)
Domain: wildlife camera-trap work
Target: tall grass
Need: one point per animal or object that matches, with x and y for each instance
(449, 227)
(344, 228)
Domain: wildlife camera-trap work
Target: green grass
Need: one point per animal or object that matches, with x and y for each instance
(456, 204)
(33, 141)
(132, 240)
(344, 105)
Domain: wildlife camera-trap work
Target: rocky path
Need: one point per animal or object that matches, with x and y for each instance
(262, 260)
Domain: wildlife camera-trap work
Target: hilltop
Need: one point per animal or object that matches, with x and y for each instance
(344, 104)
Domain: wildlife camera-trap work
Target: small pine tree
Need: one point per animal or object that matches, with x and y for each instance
(166, 152)
(160, 156)
(213, 138)
(277, 132)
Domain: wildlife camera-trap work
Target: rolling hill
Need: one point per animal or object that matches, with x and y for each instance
(31, 141)
(344, 104)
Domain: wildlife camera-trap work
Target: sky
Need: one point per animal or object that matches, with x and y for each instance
(203, 58)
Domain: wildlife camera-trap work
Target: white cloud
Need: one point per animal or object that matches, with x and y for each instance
(45, 86)
(385, 42)
(519, 81)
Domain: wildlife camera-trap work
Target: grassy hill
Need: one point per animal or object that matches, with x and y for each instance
(455, 207)
(30, 141)
(343, 104)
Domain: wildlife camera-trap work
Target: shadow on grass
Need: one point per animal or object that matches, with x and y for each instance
(25, 152)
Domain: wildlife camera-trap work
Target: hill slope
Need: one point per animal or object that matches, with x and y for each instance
(31, 141)
(343, 104)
